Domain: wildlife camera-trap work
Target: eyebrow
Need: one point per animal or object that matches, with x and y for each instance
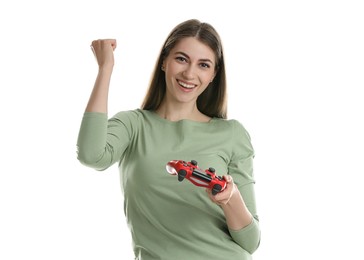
(184, 54)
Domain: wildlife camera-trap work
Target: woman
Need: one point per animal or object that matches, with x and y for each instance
(183, 117)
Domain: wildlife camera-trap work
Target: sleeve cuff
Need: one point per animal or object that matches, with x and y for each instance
(248, 237)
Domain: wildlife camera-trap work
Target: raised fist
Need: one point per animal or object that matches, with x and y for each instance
(103, 50)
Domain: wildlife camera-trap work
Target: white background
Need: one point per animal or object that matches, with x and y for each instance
(295, 79)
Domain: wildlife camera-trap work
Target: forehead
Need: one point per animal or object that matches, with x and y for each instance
(194, 48)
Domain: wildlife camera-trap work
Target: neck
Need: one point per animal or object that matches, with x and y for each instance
(176, 113)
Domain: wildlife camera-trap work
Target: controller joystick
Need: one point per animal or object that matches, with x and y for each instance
(191, 172)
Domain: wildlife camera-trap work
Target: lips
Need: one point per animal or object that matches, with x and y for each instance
(185, 85)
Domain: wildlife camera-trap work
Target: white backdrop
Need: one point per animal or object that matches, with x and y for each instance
(295, 75)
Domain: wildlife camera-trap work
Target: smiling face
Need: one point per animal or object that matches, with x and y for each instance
(189, 69)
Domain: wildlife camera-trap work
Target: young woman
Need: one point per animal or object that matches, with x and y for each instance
(183, 117)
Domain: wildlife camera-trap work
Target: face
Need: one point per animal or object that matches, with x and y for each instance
(189, 69)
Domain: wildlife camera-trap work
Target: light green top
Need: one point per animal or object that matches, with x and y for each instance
(168, 219)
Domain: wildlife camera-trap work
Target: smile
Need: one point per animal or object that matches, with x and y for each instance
(185, 85)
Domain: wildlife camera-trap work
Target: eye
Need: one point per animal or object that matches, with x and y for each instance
(181, 59)
(205, 65)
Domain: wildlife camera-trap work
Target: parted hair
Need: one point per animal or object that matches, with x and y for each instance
(213, 101)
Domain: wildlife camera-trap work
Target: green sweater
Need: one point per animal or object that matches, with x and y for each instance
(168, 219)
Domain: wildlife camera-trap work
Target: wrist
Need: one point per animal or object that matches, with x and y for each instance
(106, 69)
(234, 198)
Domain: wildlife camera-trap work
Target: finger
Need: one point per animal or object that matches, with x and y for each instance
(104, 43)
(228, 178)
(92, 49)
(113, 44)
(110, 42)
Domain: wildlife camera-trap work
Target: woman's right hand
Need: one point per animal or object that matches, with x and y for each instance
(103, 50)
(104, 53)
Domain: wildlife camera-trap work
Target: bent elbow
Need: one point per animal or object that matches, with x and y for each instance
(254, 246)
(248, 237)
(91, 160)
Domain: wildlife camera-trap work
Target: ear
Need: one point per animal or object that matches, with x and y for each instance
(163, 67)
(213, 77)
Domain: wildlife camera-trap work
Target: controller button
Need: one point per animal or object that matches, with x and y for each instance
(216, 189)
(181, 175)
(193, 162)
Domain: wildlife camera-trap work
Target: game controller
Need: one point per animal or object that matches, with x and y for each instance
(194, 174)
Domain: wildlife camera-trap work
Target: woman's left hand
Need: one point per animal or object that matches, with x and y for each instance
(223, 197)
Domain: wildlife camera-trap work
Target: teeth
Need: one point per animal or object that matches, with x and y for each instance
(186, 85)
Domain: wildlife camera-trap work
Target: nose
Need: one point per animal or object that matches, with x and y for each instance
(189, 72)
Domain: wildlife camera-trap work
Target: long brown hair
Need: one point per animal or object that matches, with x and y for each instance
(211, 102)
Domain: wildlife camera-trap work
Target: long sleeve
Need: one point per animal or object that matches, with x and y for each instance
(101, 142)
(249, 236)
(159, 208)
(241, 169)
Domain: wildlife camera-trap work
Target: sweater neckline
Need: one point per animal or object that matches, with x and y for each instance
(189, 121)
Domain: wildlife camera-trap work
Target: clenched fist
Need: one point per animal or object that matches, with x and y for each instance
(103, 50)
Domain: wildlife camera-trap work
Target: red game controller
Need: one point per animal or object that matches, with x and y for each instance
(194, 174)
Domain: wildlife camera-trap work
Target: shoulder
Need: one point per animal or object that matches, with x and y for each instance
(132, 116)
(235, 131)
(231, 124)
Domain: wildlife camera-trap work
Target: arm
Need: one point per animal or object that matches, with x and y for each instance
(238, 205)
(103, 51)
(93, 146)
(236, 212)
(238, 199)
